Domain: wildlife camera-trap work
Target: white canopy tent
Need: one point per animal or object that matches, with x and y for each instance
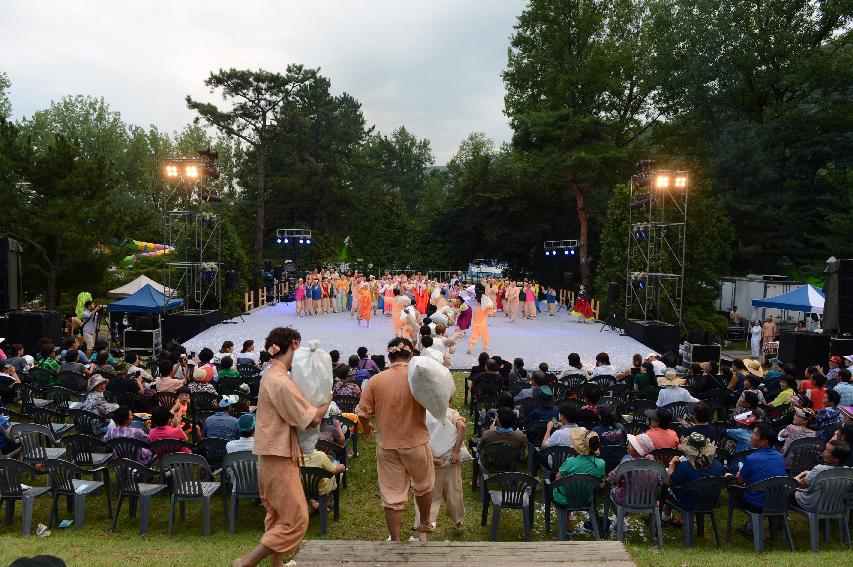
(130, 288)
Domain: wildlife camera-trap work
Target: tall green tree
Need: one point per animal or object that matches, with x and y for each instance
(401, 162)
(258, 102)
(579, 86)
(5, 103)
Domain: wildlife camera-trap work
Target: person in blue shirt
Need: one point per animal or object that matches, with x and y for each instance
(222, 424)
(545, 409)
(844, 388)
(697, 462)
(316, 297)
(551, 298)
(763, 463)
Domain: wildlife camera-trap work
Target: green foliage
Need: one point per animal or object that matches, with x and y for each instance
(5, 103)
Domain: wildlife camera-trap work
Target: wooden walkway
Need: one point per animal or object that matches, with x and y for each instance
(315, 553)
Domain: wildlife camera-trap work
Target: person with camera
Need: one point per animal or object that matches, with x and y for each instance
(90, 324)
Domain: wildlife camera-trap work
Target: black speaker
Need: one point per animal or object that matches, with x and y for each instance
(804, 349)
(29, 327)
(661, 337)
(838, 310)
(231, 279)
(841, 346)
(144, 323)
(612, 291)
(670, 359)
(698, 337)
(568, 279)
(184, 326)
(10, 274)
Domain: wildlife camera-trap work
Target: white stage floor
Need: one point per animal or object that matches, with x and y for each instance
(545, 339)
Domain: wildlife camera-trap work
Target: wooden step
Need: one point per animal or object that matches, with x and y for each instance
(315, 553)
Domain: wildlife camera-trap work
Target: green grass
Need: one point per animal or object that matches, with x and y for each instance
(361, 519)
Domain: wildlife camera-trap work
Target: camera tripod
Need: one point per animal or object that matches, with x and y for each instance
(611, 323)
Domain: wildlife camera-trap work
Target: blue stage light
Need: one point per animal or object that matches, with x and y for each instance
(278, 240)
(286, 240)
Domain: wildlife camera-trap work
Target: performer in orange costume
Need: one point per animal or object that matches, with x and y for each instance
(421, 298)
(365, 304)
(398, 302)
(480, 326)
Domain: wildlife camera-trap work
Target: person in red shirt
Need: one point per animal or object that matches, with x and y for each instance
(659, 432)
(817, 392)
(165, 425)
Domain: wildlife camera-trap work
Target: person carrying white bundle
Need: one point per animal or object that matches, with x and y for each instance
(311, 372)
(409, 320)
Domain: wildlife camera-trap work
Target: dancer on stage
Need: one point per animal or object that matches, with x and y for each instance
(365, 304)
(511, 305)
(341, 292)
(326, 296)
(480, 329)
(316, 297)
(397, 304)
(299, 296)
(581, 309)
(281, 410)
(421, 298)
(388, 294)
(529, 301)
(355, 285)
(464, 314)
(374, 293)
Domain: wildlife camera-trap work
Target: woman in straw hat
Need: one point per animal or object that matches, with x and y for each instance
(697, 462)
(672, 390)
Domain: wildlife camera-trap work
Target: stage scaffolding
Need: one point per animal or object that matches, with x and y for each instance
(657, 237)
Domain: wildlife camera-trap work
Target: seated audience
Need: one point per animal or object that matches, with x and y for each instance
(835, 455)
(167, 382)
(787, 390)
(844, 388)
(603, 366)
(646, 378)
(761, 464)
(504, 431)
(545, 409)
(803, 426)
(123, 419)
(537, 380)
(246, 442)
(697, 462)
(222, 424)
(830, 417)
(610, 432)
(816, 393)
(320, 460)
(672, 391)
(559, 433)
(701, 419)
(659, 430)
(95, 401)
(166, 426)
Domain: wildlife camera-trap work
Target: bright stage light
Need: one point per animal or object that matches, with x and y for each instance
(662, 181)
(191, 171)
(278, 240)
(171, 171)
(307, 241)
(286, 240)
(681, 182)
(573, 251)
(301, 241)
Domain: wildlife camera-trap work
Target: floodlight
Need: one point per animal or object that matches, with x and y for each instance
(278, 240)
(662, 182)
(286, 240)
(681, 182)
(171, 170)
(307, 241)
(301, 241)
(573, 251)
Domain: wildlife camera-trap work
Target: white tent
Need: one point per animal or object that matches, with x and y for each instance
(129, 289)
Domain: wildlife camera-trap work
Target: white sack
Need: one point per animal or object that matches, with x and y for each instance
(431, 384)
(311, 372)
(439, 318)
(486, 302)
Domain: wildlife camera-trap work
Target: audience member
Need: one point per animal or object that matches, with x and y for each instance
(123, 419)
(222, 424)
(610, 432)
(246, 442)
(761, 464)
(659, 430)
(672, 391)
(835, 455)
(557, 433)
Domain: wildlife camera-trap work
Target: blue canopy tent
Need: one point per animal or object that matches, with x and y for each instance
(807, 299)
(146, 300)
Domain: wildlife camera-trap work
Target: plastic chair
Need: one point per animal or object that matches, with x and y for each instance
(63, 483)
(164, 447)
(203, 405)
(550, 461)
(130, 449)
(613, 403)
(680, 410)
(335, 452)
(165, 399)
(777, 494)
(186, 470)
(73, 381)
(87, 451)
(128, 474)
(517, 491)
(581, 494)
(12, 489)
(561, 391)
(351, 428)
(612, 455)
(833, 487)
(707, 493)
(42, 377)
(37, 443)
(643, 479)
(51, 419)
(33, 396)
(311, 477)
(664, 456)
(346, 403)
(573, 380)
(804, 453)
(242, 471)
(534, 432)
(604, 381)
(87, 422)
(62, 397)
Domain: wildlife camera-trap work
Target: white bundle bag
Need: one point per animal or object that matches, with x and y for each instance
(311, 372)
(436, 293)
(486, 302)
(439, 318)
(431, 384)
(409, 315)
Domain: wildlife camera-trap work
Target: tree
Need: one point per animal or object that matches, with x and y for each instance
(259, 102)
(579, 90)
(402, 161)
(5, 103)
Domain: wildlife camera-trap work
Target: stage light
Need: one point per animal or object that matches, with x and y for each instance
(278, 240)
(287, 241)
(301, 241)
(566, 252)
(191, 171)
(573, 251)
(171, 171)
(681, 182)
(307, 241)
(662, 181)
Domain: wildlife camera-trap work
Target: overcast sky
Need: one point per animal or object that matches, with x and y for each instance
(431, 65)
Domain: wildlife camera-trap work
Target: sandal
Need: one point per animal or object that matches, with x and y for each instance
(425, 528)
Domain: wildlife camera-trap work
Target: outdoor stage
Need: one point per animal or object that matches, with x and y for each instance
(545, 339)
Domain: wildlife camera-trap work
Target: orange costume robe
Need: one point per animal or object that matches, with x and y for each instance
(365, 304)
(480, 326)
(421, 300)
(281, 410)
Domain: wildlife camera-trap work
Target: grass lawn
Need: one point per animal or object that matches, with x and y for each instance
(361, 519)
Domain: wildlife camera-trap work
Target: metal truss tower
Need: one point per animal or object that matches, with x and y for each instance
(657, 240)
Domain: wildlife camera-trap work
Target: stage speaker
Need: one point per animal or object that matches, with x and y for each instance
(11, 292)
(804, 349)
(612, 292)
(698, 337)
(276, 272)
(838, 310)
(701, 353)
(568, 279)
(29, 327)
(841, 346)
(231, 279)
(144, 323)
(661, 337)
(670, 359)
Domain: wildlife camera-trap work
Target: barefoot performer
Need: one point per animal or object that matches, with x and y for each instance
(403, 455)
(281, 409)
(365, 304)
